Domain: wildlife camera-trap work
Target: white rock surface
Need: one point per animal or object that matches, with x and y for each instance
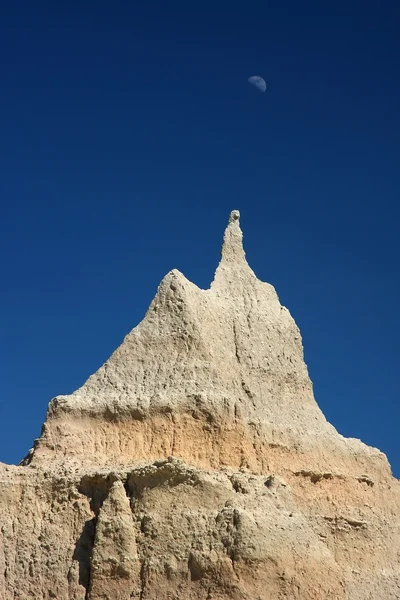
(196, 464)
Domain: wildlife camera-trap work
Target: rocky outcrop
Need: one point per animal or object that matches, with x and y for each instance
(196, 464)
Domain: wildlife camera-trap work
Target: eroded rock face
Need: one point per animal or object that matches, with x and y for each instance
(196, 464)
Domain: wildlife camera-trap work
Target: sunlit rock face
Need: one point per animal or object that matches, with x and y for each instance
(196, 464)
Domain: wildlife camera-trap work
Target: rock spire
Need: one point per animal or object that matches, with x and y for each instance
(232, 247)
(196, 464)
(230, 355)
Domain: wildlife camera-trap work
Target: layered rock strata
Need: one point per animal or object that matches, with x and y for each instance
(196, 464)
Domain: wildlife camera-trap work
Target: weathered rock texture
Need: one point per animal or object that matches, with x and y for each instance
(196, 464)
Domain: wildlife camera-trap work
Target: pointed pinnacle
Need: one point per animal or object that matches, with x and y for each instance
(234, 217)
(232, 248)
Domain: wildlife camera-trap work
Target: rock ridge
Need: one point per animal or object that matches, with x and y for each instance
(195, 464)
(222, 366)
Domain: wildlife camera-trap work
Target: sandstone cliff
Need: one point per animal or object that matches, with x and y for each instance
(196, 464)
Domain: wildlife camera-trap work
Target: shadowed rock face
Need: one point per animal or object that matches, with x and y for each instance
(195, 463)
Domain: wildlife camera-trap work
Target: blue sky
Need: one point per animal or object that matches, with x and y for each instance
(129, 132)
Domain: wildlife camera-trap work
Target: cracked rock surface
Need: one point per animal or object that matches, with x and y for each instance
(196, 464)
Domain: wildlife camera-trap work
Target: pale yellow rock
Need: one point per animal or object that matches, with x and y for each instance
(196, 464)
(114, 565)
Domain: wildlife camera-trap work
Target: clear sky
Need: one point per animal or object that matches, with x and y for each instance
(128, 133)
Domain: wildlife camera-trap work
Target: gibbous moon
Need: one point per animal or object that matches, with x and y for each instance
(258, 82)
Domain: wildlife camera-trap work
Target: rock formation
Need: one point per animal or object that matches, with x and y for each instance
(195, 464)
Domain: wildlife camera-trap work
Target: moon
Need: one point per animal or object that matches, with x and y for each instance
(259, 82)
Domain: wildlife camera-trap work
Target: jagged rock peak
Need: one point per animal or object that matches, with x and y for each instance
(230, 355)
(232, 247)
(233, 268)
(196, 464)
